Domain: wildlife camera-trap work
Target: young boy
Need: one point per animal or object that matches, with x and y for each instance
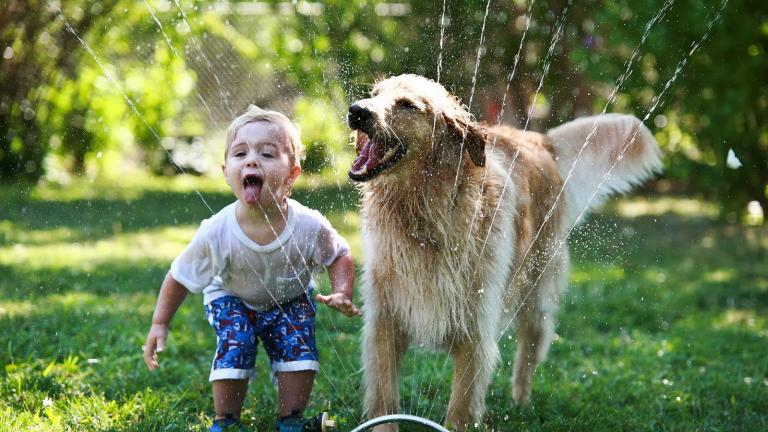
(254, 261)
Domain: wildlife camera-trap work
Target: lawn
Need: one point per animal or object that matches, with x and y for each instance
(664, 326)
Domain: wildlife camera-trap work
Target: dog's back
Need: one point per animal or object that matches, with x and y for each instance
(530, 159)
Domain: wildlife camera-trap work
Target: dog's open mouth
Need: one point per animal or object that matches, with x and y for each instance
(252, 188)
(373, 157)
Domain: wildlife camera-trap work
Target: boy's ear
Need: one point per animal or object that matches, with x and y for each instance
(294, 174)
(224, 171)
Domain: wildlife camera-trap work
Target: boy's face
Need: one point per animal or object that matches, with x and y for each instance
(258, 166)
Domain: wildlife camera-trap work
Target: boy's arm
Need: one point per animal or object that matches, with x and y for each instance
(342, 275)
(171, 295)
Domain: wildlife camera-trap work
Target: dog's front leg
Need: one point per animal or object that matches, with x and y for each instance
(384, 344)
(473, 364)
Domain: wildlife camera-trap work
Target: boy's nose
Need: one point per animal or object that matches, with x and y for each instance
(251, 158)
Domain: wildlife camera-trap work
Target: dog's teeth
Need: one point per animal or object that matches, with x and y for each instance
(389, 154)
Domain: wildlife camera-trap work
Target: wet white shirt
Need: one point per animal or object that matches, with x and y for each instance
(222, 260)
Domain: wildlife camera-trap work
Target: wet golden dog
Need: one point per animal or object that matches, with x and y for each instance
(464, 228)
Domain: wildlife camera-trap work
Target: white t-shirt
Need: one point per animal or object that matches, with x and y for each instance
(222, 260)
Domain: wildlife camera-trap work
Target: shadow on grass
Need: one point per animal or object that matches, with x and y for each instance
(107, 279)
(648, 272)
(76, 346)
(663, 327)
(94, 219)
(693, 372)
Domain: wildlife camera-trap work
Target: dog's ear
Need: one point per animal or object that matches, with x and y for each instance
(473, 134)
(474, 142)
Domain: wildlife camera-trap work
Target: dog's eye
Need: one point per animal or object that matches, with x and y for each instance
(405, 103)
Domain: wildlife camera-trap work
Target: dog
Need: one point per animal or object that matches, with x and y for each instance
(464, 228)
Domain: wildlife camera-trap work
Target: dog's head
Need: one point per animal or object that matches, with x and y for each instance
(410, 118)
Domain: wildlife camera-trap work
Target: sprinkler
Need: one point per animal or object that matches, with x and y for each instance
(322, 423)
(399, 418)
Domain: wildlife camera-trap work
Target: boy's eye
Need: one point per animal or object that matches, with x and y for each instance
(239, 154)
(267, 155)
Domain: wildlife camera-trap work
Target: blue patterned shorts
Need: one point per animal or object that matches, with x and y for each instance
(287, 333)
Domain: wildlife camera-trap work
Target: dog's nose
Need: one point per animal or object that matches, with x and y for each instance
(358, 117)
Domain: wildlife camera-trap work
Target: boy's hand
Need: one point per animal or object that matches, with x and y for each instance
(340, 302)
(155, 343)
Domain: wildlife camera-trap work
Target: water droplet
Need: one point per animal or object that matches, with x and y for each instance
(732, 161)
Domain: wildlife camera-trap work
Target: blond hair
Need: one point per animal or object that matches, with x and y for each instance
(253, 114)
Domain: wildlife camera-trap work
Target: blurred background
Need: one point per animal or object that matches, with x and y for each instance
(91, 88)
(112, 119)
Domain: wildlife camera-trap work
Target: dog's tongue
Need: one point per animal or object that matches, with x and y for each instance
(252, 192)
(368, 154)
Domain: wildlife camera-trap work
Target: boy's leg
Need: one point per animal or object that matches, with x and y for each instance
(290, 344)
(235, 356)
(228, 397)
(294, 389)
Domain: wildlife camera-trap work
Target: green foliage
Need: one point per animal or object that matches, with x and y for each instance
(323, 133)
(102, 81)
(160, 69)
(38, 54)
(714, 104)
(649, 338)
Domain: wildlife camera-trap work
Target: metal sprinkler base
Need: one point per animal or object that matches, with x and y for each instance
(399, 418)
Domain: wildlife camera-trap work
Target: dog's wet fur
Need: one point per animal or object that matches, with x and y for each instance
(464, 229)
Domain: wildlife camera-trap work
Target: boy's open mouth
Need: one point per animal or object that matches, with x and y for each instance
(252, 187)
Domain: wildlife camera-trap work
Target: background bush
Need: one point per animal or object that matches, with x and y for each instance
(79, 77)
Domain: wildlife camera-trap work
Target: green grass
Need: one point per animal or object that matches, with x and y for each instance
(664, 326)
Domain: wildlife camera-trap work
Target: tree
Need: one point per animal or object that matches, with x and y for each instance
(693, 71)
(670, 62)
(40, 49)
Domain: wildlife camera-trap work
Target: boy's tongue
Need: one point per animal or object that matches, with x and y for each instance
(252, 192)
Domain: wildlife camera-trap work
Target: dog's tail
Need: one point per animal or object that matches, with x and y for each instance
(602, 155)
